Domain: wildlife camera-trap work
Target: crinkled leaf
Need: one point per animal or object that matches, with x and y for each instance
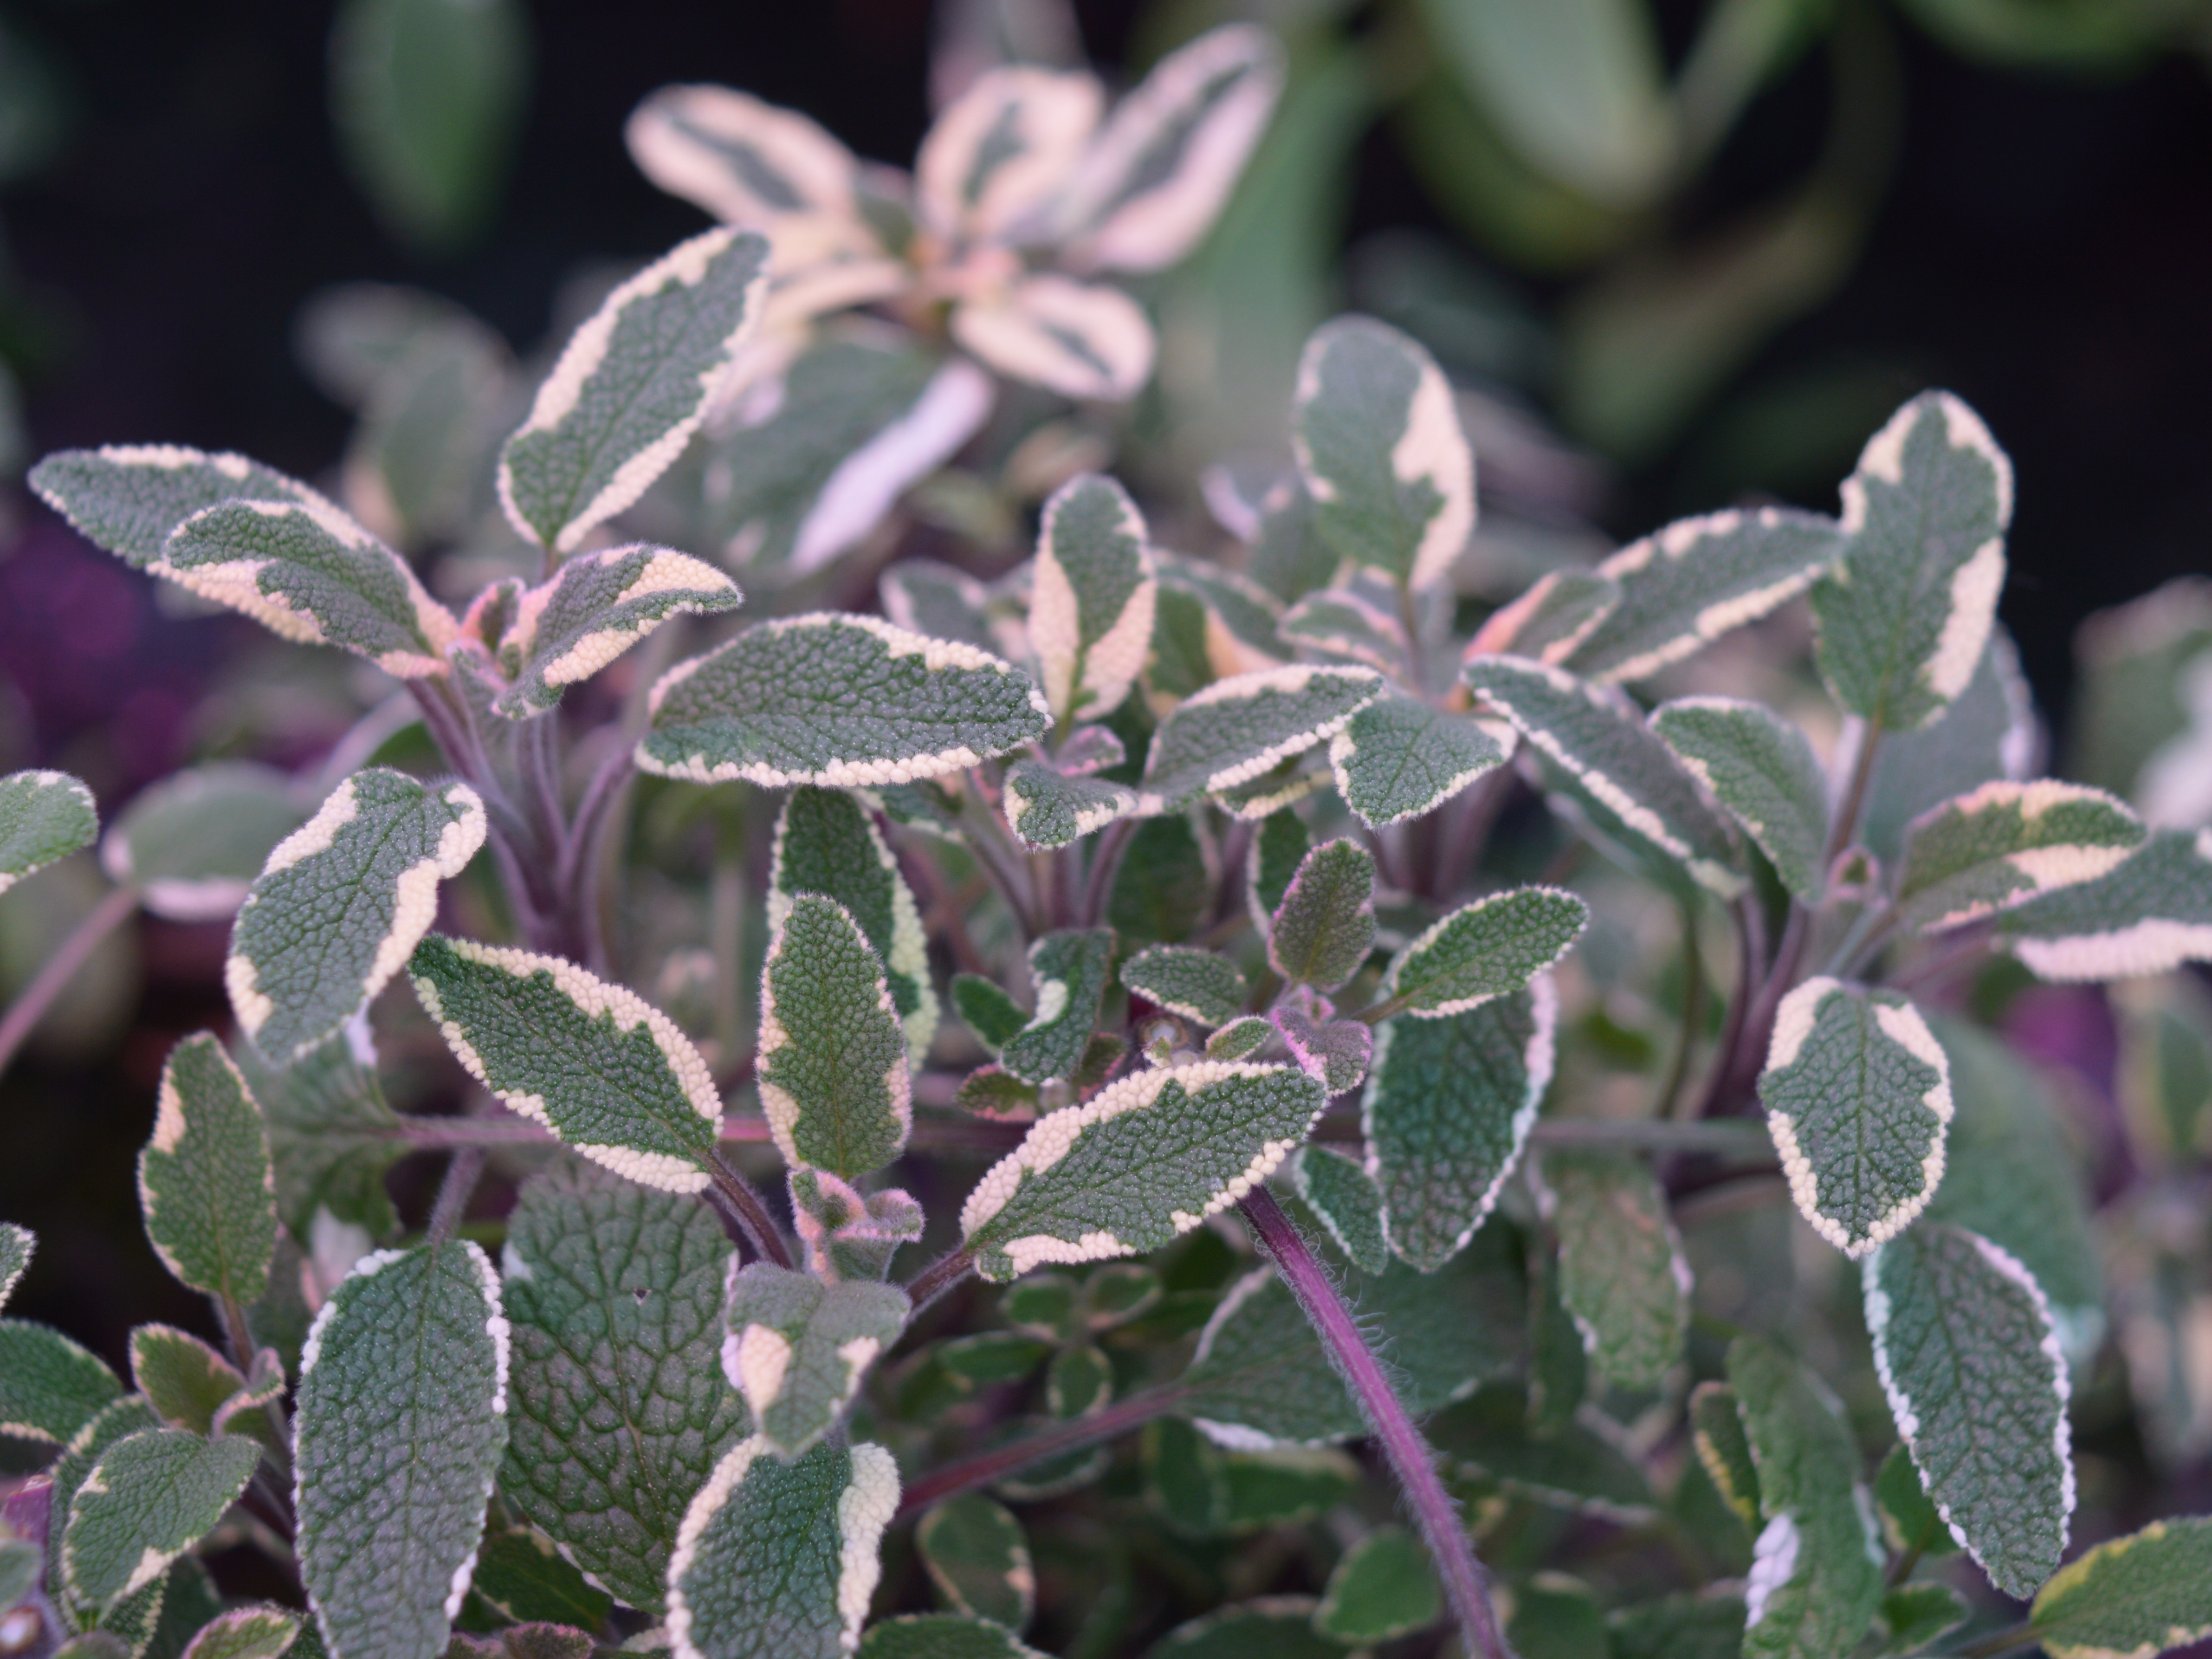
(150, 1498)
(1556, 614)
(1068, 973)
(594, 608)
(1716, 1430)
(1045, 807)
(1195, 984)
(17, 1245)
(192, 843)
(1622, 1273)
(1091, 598)
(1240, 1037)
(2005, 843)
(2149, 1592)
(798, 1350)
(1335, 1052)
(120, 1418)
(1325, 924)
(1490, 948)
(49, 1388)
(129, 497)
(2149, 913)
(1238, 728)
(848, 1235)
(1381, 1587)
(1763, 772)
(1400, 758)
(832, 699)
(205, 1181)
(832, 1055)
(256, 1632)
(44, 815)
(978, 1557)
(1279, 848)
(1339, 1192)
(942, 1636)
(182, 1377)
(331, 1135)
(522, 1576)
(341, 902)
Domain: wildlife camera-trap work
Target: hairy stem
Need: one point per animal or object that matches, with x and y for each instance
(940, 1276)
(1466, 1585)
(24, 1014)
(455, 1191)
(746, 1207)
(1105, 862)
(985, 1468)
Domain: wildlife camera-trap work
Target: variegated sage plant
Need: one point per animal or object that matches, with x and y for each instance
(1293, 1097)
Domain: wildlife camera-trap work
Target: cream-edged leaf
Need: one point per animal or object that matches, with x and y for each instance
(747, 162)
(1335, 1052)
(17, 1246)
(1764, 774)
(1279, 846)
(254, 1633)
(49, 1388)
(2148, 1593)
(1091, 598)
(1046, 807)
(846, 1235)
(798, 1350)
(2148, 914)
(205, 1182)
(43, 817)
(832, 1066)
(192, 843)
(1195, 985)
(1238, 728)
(1556, 614)
(978, 1557)
(1490, 948)
(1999, 846)
(1342, 1194)
(925, 597)
(1324, 927)
(129, 497)
(1400, 758)
(1346, 624)
(182, 1378)
(942, 1636)
(999, 153)
(150, 1498)
(1068, 973)
(596, 607)
(1623, 1277)
(1085, 341)
(1992, 733)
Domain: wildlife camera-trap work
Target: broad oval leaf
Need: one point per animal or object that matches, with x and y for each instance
(1325, 924)
(746, 161)
(837, 700)
(1488, 949)
(1091, 598)
(1763, 772)
(1068, 973)
(205, 1181)
(129, 497)
(2149, 1592)
(2150, 914)
(832, 1066)
(1344, 623)
(596, 607)
(43, 817)
(182, 1378)
(1196, 985)
(1046, 807)
(1623, 1277)
(1339, 1191)
(602, 1068)
(1147, 1159)
(149, 1499)
(1400, 758)
(2004, 844)
(798, 1350)
(49, 1388)
(117, 1420)
(1082, 340)
(1000, 151)
(342, 902)
(192, 843)
(978, 1557)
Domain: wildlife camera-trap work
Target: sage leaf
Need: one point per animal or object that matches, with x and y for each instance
(118, 1419)
(1335, 1052)
(1090, 343)
(987, 1010)
(1764, 774)
(631, 388)
(1278, 847)
(2149, 1592)
(832, 1058)
(1091, 598)
(331, 1135)
(745, 162)
(2003, 844)
(1909, 1518)
(1195, 985)
(342, 902)
(17, 1245)
(1238, 728)
(2149, 913)
(205, 1181)
(1717, 1431)
(401, 1423)
(1381, 1587)
(182, 1378)
(1346, 623)
(594, 608)
(1068, 973)
(942, 1636)
(925, 597)
(255, 1632)
(1970, 1358)
(1325, 924)
(978, 1557)
(1240, 1037)
(43, 817)
(798, 1350)
(1706, 1626)
(602, 1068)
(1623, 1277)
(1339, 1193)
(150, 1498)
(1990, 732)
(1489, 949)
(779, 1560)
(1281, 1627)
(192, 843)
(49, 1388)
(847, 1236)
(1557, 613)
(1918, 1613)
(1400, 758)
(1046, 808)
(837, 700)
(1147, 1159)
(522, 1575)
(1237, 619)
(127, 498)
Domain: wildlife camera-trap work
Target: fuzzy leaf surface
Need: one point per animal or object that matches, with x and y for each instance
(256, 1632)
(2005, 843)
(522, 1576)
(596, 607)
(1990, 732)
(49, 1388)
(17, 1244)
(116, 1421)
(1278, 847)
(149, 1499)
(205, 1181)
(1400, 758)
(1091, 598)
(978, 1557)
(182, 1377)
(1197, 985)
(1339, 1192)
(1068, 973)
(2148, 914)
(1763, 772)
(1490, 948)
(832, 1055)
(330, 1135)
(2149, 1592)
(1325, 924)
(798, 1350)
(1717, 1432)
(129, 497)
(43, 817)
(1622, 1273)
(192, 843)
(1238, 728)
(1349, 624)
(1046, 807)
(987, 1010)
(1335, 1052)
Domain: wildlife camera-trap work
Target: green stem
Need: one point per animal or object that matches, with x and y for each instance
(24, 1014)
(455, 1191)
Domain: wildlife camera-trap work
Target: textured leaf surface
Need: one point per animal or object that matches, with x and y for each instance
(942, 1636)
(1763, 772)
(258, 1632)
(1903, 619)
(523, 1576)
(2147, 1593)
(1335, 1052)
(342, 902)
(1347, 623)
(616, 1294)
(1401, 758)
(978, 1557)
(44, 815)
(1197, 985)
(331, 1135)
(1490, 948)
(1068, 972)
(192, 843)
(114, 1422)
(1278, 847)
(182, 1377)
(2004, 843)
(1448, 1109)
(2150, 914)
(1379, 445)
(1918, 1613)
(607, 1072)
(596, 607)
(17, 1245)
(778, 1559)
(205, 1181)
(149, 1499)
(1239, 1037)
(1858, 1094)
(1717, 1430)
(1547, 622)
(129, 497)
(837, 700)
(1045, 807)
(1091, 598)
(1381, 1587)
(798, 1350)
(1239, 727)
(49, 1388)
(832, 1055)
(1147, 1159)
(847, 1236)
(1976, 1380)
(631, 388)
(1325, 924)
(1991, 731)
(1338, 1191)
(1622, 1273)
(1619, 772)
(401, 1422)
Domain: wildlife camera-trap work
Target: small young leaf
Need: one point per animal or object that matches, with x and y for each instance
(1903, 618)
(1335, 1052)
(2005, 843)
(522, 1576)
(798, 1350)
(1622, 775)
(1622, 1273)
(150, 1498)
(1347, 624)
(43, 817)
(778, 1561)
(745, 162)
(1490, 948)
(1858, 1094)
(1166, 883)
(205, 1182)
(1198, 985)
(1046, 808)
(1763, 772)
(1091, 598)
(978, 1557)
(985, 1010)
(342, 902)
(1964, 1345)
(837, 700)
(17, 1244)
(1918, 1613)
(594, 608)
(1401, 758)
(401, 1423)
(129, 497)
(1697, 580)
(832, 1056)
(1240, 1037)
(1325, 924)
(2148, 1593)
(1239, 727)
(182, 1377)
(1379, 445)
(255, 1632)
(1149, 1158)
(244, 1411)
(1336, 1189)
(1278, 849)
(1448, 1109)
(1090, 750)
(846, 1235)
(631, 388)
(1382, 1586)
(192, 843)
(942, 1636)
(1716, 1430)
(2151, 914)
(1084, 341)
(49, 1388)
(1068, 973)
(607, 1072)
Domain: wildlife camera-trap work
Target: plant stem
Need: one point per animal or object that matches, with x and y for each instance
(1467, 1586)
(455, 1191)
(985, 1468)
(240, 1338)
(1693, 1013)
(940, 1276)
(748, 1211)
(2003, 1641)
(1105, 860)
(1846, 822)
(24, 1014)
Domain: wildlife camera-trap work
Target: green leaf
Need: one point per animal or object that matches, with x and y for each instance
(1265, 1628)
(1400, 758)
(17, 1245)
(1197, 985)
(1489, 949)
(49, 1388)
(986, 1011)
(114, 1422)
(1698, 579)
(1903, 619)
(1278, 849)
(846, 1235)
(1555, 614)
(1325, 924)
(1970, 1358)
(1091, 598)
(799, 1349)
(1621, 775)
(1704, 1626)
(244, 1411)
(1238, 728)
(594, 608)
(832, 1056)
(127, 498)
(1240, 1037)
(2005, 843)
(942, 1636)
(2149, 1592)
(521, 1576)
(978, 1557)
(256, 1632)
(1379, 445)
(182, 1377)
(615, 1295)
(1858, 1094)
(1816, 1571)
(205, 1180)
(1763, 772)
(1556, 1618)
(1046, 808)
(1716, 1430)
(777, 1559)
(1165, 885)
(1991, 731)
(1335, 1052)
(401, 1422)
(43, 817)
(2132, 673)
(1068, 973)
(1622, 1273)
(1147, 1159)
(1448, 1109)
(1350, 625)
(150, 1498)
(342, 902)
(1909, 1520)
(631, 388)
(1338, 1191)
(1236, 617)
(1918, 1613)
(192, 843)
(1574, 1469)
(22, 1565)
(331, 1135)
(837, 700)
(605, 1071)
(1558, 1366)
(925, 597)
(1381, 1588)
(2150, 914)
